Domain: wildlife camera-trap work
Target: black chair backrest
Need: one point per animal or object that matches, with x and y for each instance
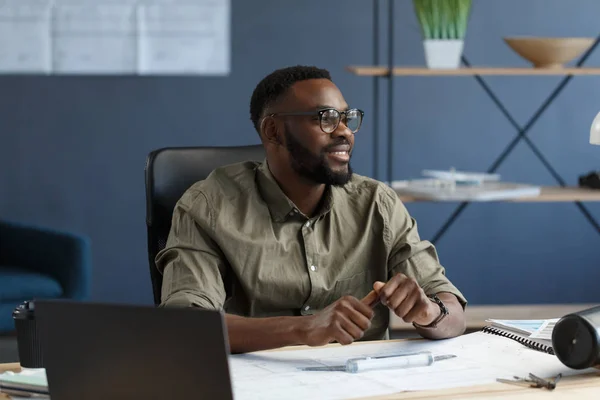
(169, 173)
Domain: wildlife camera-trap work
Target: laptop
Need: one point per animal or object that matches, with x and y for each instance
(108, 351)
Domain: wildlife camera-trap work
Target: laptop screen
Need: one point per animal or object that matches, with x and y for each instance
(109, 351)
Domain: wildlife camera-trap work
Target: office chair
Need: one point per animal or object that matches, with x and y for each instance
(169, 173)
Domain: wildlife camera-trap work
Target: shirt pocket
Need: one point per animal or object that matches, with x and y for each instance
(357, 285)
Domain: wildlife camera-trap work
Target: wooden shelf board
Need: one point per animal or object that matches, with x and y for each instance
(548, 194)
(423, 71)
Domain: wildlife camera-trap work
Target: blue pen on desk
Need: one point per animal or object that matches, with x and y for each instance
(356, 365)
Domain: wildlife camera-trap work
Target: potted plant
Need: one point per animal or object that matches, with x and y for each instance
(443, 25)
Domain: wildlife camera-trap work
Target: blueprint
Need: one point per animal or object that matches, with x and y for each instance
(25, 39)
(94, 38)
(186, 39)
(481, 359)
(150, 37)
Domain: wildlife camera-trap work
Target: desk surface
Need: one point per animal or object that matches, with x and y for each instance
(581, 387)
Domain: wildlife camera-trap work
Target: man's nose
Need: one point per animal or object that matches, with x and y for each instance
(342, 130)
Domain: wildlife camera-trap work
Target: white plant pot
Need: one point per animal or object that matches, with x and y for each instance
(443, 53)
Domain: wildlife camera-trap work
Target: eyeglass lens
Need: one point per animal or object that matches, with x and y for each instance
(331, 118)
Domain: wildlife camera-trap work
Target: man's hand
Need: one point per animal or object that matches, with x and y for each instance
(347, 319)
(344, 321)
(407, 300)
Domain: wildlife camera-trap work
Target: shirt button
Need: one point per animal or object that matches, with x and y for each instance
(306, 308)
(313, 268)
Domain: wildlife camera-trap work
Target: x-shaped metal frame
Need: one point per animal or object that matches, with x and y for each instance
(522, 135)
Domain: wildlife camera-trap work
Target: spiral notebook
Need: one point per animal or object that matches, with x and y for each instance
(535, 334)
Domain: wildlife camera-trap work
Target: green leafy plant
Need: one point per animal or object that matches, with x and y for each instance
(443, 19)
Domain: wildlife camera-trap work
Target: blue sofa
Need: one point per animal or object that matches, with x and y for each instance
(38, 263)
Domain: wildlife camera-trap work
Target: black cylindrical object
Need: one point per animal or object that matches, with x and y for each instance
(28, 340)
(576, 339)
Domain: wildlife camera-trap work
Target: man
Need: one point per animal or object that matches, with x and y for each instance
(298, 249)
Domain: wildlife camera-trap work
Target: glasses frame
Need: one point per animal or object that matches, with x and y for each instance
(320, 112)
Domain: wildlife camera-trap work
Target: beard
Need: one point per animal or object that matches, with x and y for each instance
(314, 167)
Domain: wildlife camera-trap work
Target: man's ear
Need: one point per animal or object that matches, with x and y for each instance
(270, 130)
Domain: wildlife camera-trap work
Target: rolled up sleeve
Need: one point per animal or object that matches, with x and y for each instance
(192, 265)
(414, 257)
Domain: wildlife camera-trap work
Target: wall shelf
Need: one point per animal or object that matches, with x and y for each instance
(487, 71)
(388, 71)
(548, 194)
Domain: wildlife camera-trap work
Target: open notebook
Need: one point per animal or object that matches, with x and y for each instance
(535, 334)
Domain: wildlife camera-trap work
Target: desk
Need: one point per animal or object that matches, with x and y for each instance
(582, 387)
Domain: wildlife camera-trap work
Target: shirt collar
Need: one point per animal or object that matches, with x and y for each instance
(280, 206)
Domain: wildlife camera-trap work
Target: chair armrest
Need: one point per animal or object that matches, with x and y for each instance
(62, 255)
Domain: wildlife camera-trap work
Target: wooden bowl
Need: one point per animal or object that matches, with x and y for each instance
(545, 52)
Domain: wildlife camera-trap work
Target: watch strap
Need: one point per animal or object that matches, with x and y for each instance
(444, 312)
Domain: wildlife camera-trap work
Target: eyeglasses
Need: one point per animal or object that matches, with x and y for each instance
(329, 118)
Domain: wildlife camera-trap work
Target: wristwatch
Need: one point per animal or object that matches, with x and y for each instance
(443, 313)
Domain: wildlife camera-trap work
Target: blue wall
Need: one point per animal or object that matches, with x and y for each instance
(73, 149)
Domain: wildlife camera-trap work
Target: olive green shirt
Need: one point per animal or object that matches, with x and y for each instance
(239, 244)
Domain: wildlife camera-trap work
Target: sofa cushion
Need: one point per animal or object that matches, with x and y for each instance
(20, 284)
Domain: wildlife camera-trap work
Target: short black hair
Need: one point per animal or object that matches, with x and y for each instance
(277, 83)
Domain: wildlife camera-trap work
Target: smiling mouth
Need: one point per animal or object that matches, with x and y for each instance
(340, 156)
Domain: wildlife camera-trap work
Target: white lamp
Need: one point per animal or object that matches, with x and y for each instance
(595, 130)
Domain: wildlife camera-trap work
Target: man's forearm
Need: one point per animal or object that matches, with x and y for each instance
(255, 334)
(453, 325)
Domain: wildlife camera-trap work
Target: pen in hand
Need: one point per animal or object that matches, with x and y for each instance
(372, 299)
